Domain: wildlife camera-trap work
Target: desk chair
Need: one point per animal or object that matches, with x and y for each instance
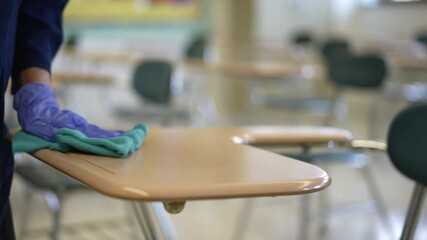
(152, 81)
(194, 84)
(316, 104)
(346, 71)
(54, 185)
(367, 73)
(406, 148)
(364, 72)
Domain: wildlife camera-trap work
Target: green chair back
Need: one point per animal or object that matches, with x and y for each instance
(407, 143)
(152, 81)
(358, 71)
(422, 38)
(302, 38)
(335, 48)
(71, 41)
(196, 48)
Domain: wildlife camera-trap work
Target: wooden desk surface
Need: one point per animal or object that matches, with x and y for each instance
(292, 135)
(411, 63)
(196, 163)
(76, 77)
(256, 69)
(103, 56)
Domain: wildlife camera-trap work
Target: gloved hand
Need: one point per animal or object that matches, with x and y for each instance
(40, 115)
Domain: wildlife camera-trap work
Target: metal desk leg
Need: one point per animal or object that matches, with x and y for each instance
(304, 223)
(165, 222)
(55, 205)
(243, 219)
(379, 201)
(154, 221)
(145, 220)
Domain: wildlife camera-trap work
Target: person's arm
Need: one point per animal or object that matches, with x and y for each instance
(38, 38)
(34, 75)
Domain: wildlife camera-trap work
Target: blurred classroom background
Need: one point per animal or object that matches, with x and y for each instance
(351, 64)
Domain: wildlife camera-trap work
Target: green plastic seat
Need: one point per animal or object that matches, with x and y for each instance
(407, 148)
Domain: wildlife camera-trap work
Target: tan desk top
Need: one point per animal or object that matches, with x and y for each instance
(193, 163)
(104, 56)
(411, 63)
(76, 77)
(258, 69)
(293, 135)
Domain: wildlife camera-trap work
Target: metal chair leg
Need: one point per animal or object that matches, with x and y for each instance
(165, 222)
(304, 224)
(325, 210)
(28, 196)
(413, 213)
(333, 106)
(54, 203)
(372, 126)
(379, 202)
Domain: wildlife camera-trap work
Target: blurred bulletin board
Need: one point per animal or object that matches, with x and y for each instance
(131, 10)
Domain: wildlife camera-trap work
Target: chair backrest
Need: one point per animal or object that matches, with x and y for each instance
(72, 41)
(152, 81)
(358, 71)
(407, 142)
(335, 48)
(422, 38)
(196, 48)
(302, 38)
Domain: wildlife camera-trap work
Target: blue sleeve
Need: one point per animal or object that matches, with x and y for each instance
(38, 36)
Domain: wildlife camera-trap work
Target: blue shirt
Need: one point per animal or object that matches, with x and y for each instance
(30, 35)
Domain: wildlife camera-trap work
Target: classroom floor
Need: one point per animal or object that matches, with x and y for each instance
(89, 215)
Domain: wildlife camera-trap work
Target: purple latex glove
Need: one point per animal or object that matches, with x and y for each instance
(40, 115)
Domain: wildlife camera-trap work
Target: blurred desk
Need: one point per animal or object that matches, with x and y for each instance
(255, 69)
(76, 77)
(179, 164)
(130, 58)
(411, 63)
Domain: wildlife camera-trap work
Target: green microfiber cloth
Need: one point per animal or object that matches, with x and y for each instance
(68, 140)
